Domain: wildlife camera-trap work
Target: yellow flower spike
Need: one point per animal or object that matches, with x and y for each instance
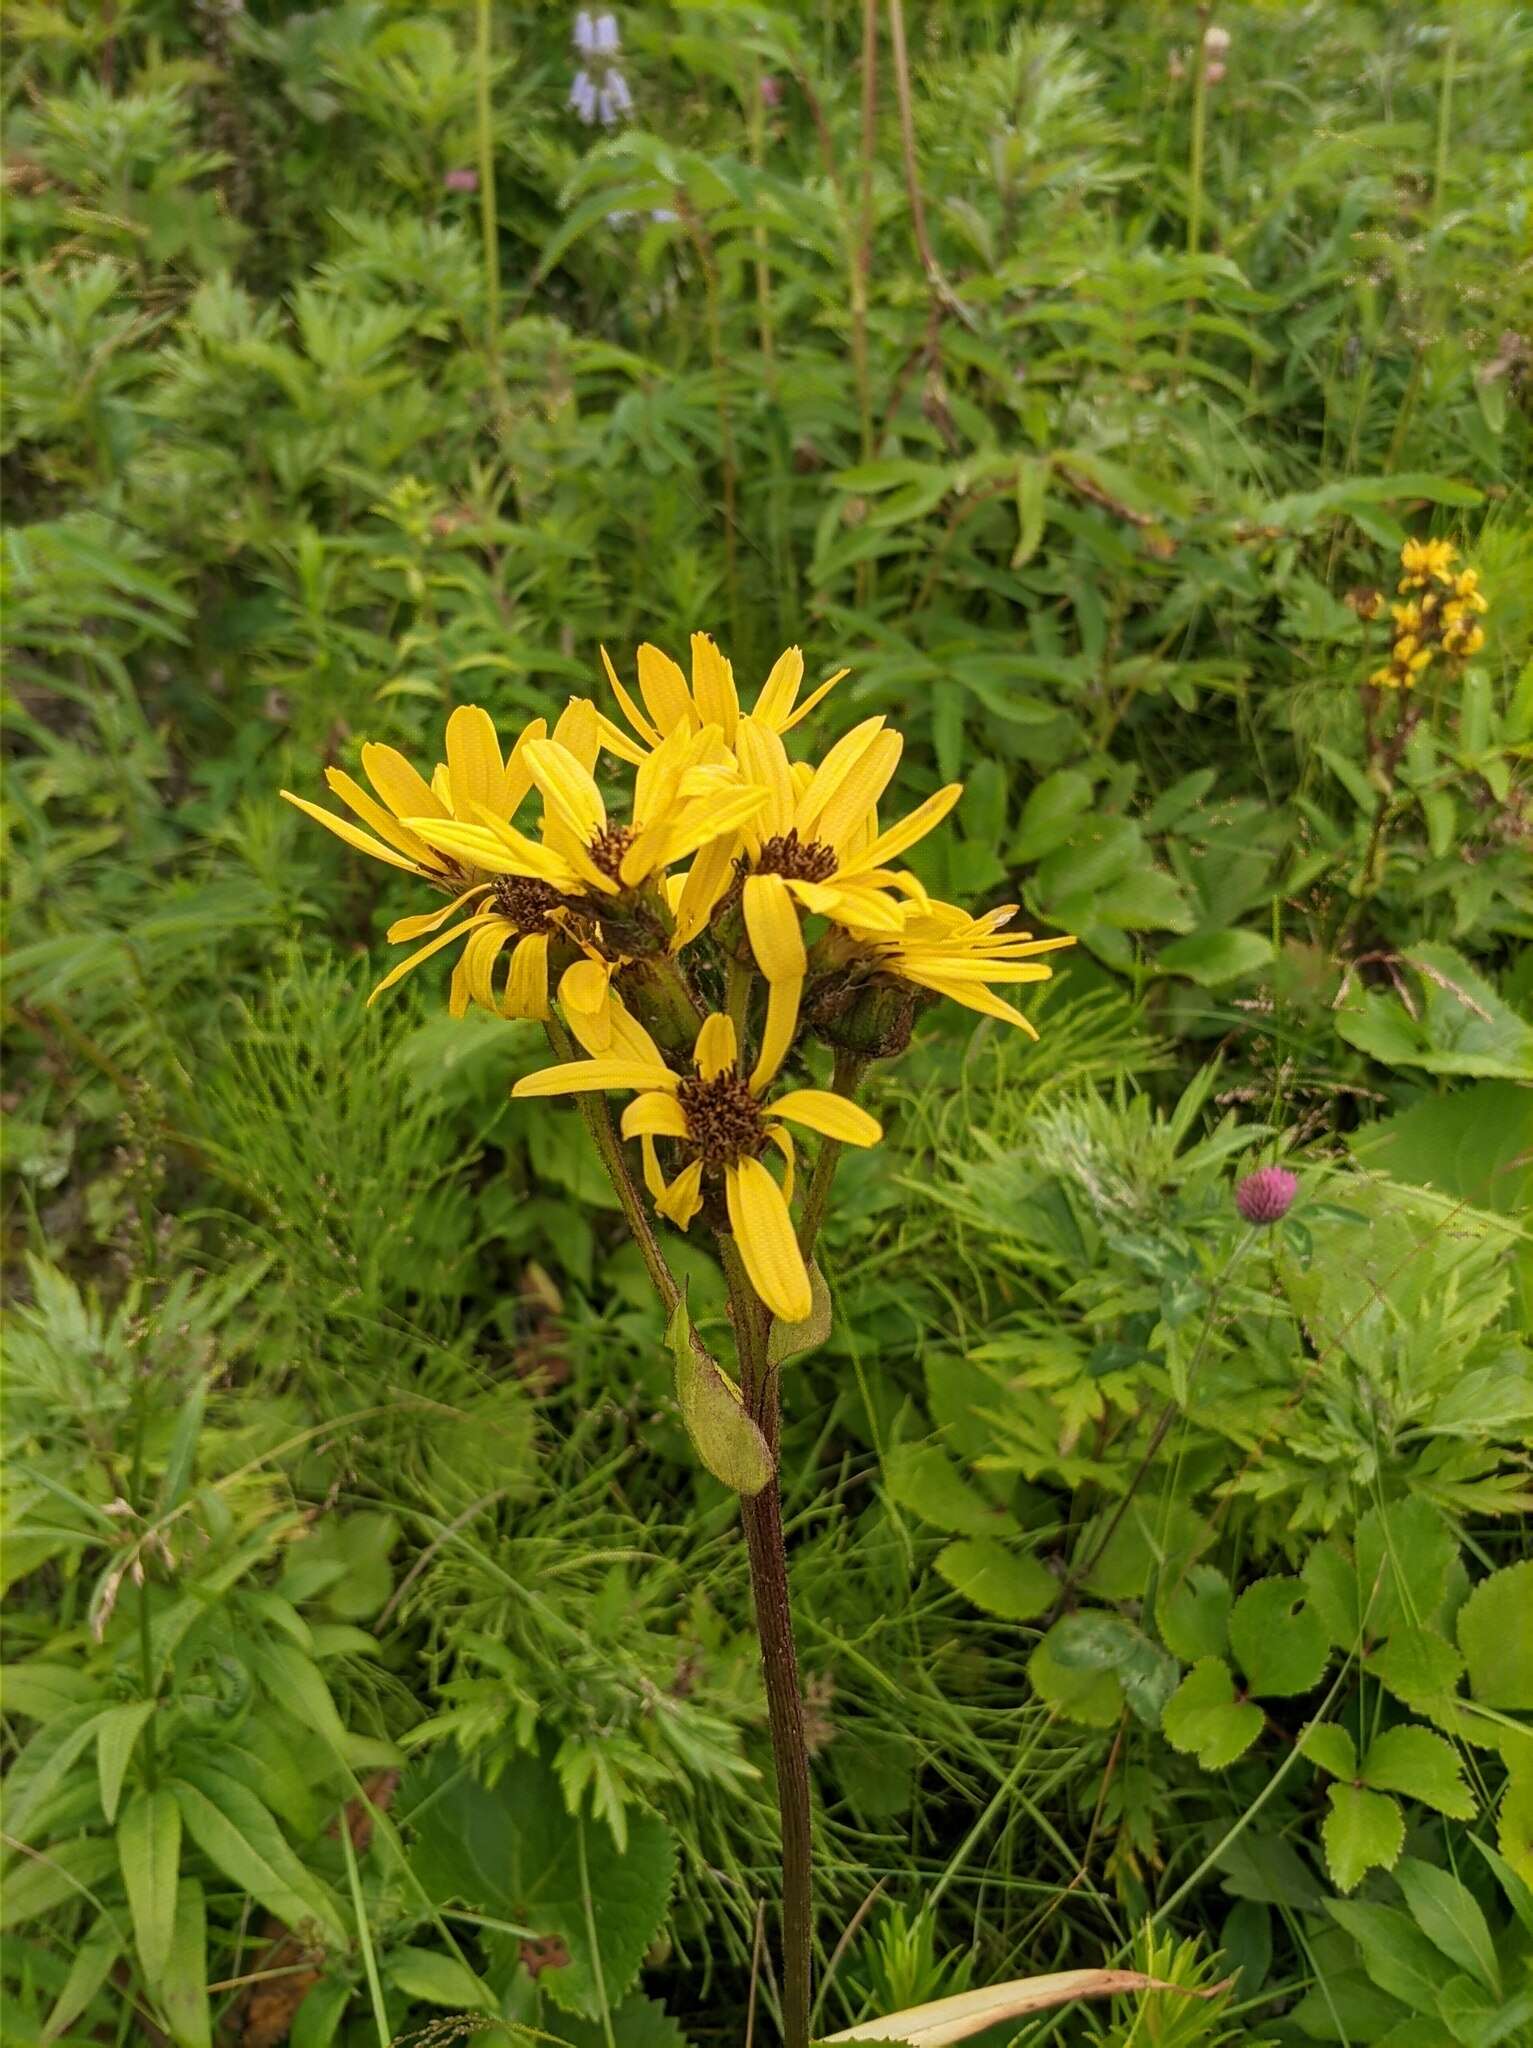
(726, 1123)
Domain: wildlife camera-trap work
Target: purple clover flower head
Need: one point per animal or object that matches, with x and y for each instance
(583, 98)
(461, 181)
(1266, 1196)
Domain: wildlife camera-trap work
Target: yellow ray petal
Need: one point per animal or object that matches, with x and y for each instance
(499, 850)
(780, 690)
(425, 952)
(353, 835)
(717, 1048)
(441, 787)
(457, 990)
(763, 762)
(664, 690)
(403, 788)
(825, 780)
(527, 979)
(704, 819)
(616, 741)
(578, 731)
(383, 822)
(864, 783)
(630, 1041)
(777, 1032)
(684, 1197)
(913, 826)
(584, 986)
(783, 1140)
(705, 882)
(654, 1179)
(863, 910)
(974, 996)
(654, 1116)
(403, 929)
(480, 956)
(815, 697)
(713, 687)
(833, 1116)
(584, 1077)
(771, 918)
(569, 788)
(631, 711)
(517, 779)
(763, 1230)
(473, 760)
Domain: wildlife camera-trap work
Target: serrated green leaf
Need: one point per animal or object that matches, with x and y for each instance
(1423, 1765)
(1332, 1748)
(149, 1849)
(1281, 1645)
(1094, 1698)
(1203, 1718)
(1417, 1665)
(1094, 1641)
(924, 1479)
(1192, 1612)
(1004, 1582)
(1496, 1638)
(1363, 1831)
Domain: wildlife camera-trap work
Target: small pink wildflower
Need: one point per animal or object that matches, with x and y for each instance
(1266, 1196)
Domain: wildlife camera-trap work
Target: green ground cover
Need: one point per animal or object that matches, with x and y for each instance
(377, 1652)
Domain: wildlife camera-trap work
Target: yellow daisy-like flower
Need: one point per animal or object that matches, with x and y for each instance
(472, 781)
(672, 705)
(1425, 561)
(720, 1118)
(944, 949)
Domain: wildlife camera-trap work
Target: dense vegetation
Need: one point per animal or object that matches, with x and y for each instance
(377, 1650)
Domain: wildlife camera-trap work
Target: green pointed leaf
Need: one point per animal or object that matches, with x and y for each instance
(88, 1971)
(1212, 959)
(1092, 1697)
(1363, 1831)
(728, 1443)
(182, 1988)
(238, 1834)
(149, 1849)
(1279, 1641)
(1421, 1764)
(1496, 1638)
(1417, 1665)
(438, 1979)
(1006, 1583)
(1203, 1718)
(1396, 1954)
(1450, 1916)
(65, 1876)
(317, 2021)
(117, 1734)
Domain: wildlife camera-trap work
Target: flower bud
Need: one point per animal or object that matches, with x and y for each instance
(1216, 40)
(771, 91)
(1266, 1196)
(872, 1018)
(461, 181)
(1213, 73)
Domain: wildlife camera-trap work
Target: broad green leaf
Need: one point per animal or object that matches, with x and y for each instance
(40, 1690)
(1496, 1637)
(726, 1440)
(88, 1969)
(1461, 1025)
(1212, 959)
(1203, 1718)
(1192, 1612)
(1423, 1765)
(117, 1733)
(514, 1853)
(1094, 1641)
(1093, 1697)
(1278, 1641)
(1450, 1916)
(317, 2021)
(149, 1849)
(1050, 813)
(924, 1479)
(438, 1979)
(1004, 1582)
(182, 1988)
(294, 1680)
(1396, 1954)
(1363, 1831)
(1331, 1747)
(66, 1875)
(1417, 1665)
(237, 1833)
(1405, 1555)
(637, 2023)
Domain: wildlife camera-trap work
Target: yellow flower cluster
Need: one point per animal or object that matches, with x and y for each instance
(741, 903)
(1437, 615)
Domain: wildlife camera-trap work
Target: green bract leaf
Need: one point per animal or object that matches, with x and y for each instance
(726, 1440)
(797, 1340)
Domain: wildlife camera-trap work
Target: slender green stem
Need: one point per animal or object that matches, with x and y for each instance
(707, 258)
(1444, 124)
(860, 260)
(489, 225)
(849, 1070)
(598, 1122)
(365, 1936)
(1199, 135)
(761, 1515)
(145, 1639)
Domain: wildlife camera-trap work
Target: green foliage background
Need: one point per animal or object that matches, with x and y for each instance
(376, 1649)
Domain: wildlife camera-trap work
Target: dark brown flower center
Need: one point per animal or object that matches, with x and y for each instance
(609, 846)
(801, 860)
(723, 1118)
(524, 901)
